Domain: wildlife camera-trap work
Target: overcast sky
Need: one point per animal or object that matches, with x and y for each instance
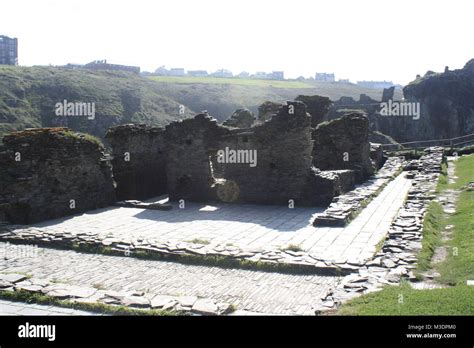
(363, 39)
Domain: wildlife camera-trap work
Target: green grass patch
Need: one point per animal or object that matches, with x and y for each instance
(31, 297)
(459, 265)
(464, 171)
(231, 81)
(433, 225)
(404, 300)
(292, 247)
(443, 178)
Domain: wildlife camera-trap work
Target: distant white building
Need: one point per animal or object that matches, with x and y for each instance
(162, 71)
(277, 75)
(176, 72)
(274, 75)
(197, 73)
(325, 77)
(222, 73)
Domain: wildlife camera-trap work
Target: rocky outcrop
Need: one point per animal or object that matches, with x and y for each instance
(241, 118)
(446, 107)
(52, 172)
(343, 144)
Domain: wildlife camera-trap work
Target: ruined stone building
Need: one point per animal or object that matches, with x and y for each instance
(293, 161)
(282, 160)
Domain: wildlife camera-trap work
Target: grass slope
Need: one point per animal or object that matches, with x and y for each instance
(404, 300)
(28, 97)
(222, 96)
(459, 265)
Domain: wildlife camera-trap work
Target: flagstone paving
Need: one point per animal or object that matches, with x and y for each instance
(248, 227)
(20, 308)
(254, 291)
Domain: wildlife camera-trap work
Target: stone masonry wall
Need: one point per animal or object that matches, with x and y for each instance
(139, 161)
(283, 146)
(343, 144)
(191, 167)
(52, 172)
(190, 145)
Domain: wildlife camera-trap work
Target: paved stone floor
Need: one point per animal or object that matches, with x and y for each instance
(254, 291)
(246, 226)
(20, 308)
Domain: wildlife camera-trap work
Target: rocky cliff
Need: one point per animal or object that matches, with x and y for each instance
(446, 107)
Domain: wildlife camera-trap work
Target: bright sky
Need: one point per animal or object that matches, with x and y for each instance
(359, 40)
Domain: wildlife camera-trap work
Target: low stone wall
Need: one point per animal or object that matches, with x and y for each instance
(345, 207)
(52, 172)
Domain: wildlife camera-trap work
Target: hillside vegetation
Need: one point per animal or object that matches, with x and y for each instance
(221, 96)
(28, 96)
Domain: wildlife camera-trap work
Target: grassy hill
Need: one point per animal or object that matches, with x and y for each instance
(28, 96)
(221, 96)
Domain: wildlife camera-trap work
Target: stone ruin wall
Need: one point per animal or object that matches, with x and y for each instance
(139, 161)
(283, 146)
(343, 144)
(287, 167)
(42, 170)
(190, 144)
(59, 165)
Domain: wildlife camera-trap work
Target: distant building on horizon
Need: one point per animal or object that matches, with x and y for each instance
(277, 75)
(222, 73)
(274, 75)
(343, 81)
(103, 65)
(197, 73)
(162, 71)
(375, 84)
(8, 50)
(325, 77)
(177, 72)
